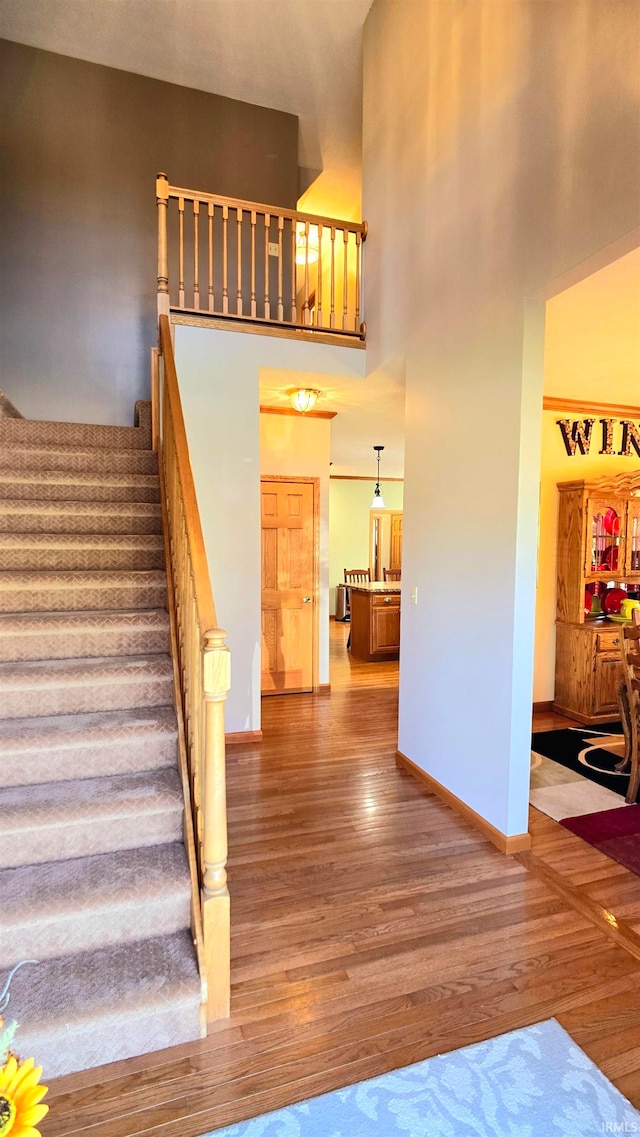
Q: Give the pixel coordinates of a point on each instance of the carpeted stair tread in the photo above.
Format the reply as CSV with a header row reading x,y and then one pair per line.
x,y
31,636
79,517
77,435
59,485
57,747
81,1011
81,551
65,907
42,590
87,460
82,686
63,820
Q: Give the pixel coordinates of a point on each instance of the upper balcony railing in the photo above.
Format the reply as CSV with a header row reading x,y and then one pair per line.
x,y
240,260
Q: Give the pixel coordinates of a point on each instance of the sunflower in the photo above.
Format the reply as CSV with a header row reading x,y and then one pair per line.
x,y
20,1096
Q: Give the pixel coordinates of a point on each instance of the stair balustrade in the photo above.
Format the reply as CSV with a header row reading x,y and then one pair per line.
x,y
246,261
203,678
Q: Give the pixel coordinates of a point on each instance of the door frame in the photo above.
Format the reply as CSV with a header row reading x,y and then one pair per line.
x,y
315,648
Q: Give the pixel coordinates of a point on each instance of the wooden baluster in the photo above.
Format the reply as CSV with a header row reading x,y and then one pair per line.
x,y
267,290
253,263
162,201
305,306
215,894
280,302
225,260
345,280
196,254
155,398
210,214
332,315
319,284
356,322
239,289
181,252
293,272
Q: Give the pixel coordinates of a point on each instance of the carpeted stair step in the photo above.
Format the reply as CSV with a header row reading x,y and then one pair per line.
x,y
65,907
81,1011
84,686
58,485
81,551
61,821
81,461
79,517
78,635
75,435
62,747
50,591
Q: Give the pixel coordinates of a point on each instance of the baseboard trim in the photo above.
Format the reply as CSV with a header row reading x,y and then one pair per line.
x,y
542,708
242,736
519,843
324,689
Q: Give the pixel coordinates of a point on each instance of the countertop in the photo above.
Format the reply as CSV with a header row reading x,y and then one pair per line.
x,y
392,586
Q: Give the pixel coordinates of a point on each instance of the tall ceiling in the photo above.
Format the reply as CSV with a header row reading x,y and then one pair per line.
x,y
299,56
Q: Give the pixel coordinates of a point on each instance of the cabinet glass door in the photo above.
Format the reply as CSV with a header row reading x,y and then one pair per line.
x,y
633,536
605,527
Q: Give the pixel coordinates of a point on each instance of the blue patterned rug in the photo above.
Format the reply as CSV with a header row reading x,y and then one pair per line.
x,y
533,1082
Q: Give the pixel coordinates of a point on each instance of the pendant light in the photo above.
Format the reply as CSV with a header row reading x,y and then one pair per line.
x,y
378,500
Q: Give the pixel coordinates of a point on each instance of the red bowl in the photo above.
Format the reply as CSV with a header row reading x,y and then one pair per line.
x,y
609,521
588,601
611,601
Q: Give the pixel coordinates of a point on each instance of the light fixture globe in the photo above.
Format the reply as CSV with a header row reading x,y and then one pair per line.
x,y
378,500
304,399
307,247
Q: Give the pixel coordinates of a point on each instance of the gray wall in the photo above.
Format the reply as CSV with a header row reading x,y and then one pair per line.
x,y
80,146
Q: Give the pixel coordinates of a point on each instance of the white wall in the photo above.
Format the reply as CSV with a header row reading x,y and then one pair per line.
x,y
293,446
219,374
350,508
501,149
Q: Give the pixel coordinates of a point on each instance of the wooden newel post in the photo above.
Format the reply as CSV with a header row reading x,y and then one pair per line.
x,y
162,199
215,895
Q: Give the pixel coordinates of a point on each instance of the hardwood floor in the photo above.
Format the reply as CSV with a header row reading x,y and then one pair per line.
x,y
372,927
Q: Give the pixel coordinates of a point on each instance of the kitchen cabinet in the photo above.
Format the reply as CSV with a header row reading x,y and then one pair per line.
x,y
375,621
598,547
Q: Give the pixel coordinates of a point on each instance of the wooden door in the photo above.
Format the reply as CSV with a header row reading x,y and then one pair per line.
x,y
288,586
395,553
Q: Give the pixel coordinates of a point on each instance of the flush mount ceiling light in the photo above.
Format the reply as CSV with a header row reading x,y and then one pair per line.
x,y
303,240
304,398
378,500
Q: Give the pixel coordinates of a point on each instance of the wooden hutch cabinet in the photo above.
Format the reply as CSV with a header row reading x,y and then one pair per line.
x,y
598,545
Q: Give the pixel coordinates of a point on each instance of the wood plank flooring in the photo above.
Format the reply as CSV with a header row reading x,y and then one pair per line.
x,y
372,927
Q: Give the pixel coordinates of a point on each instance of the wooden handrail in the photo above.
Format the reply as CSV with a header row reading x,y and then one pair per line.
x,y
206,607
202,676
273,210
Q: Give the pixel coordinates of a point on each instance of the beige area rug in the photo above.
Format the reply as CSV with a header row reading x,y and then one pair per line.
x,y
561,793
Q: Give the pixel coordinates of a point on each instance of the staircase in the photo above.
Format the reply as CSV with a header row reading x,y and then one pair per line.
x,y
94,878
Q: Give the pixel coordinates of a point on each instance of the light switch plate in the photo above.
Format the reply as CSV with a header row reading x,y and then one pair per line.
x,y
273,249
414,595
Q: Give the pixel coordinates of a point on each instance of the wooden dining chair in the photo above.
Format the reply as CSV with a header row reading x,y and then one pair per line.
x,y
391,574
357,576
629,703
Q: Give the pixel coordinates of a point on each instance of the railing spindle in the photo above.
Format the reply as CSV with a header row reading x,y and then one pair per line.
x,y
267,299
225,260
280,250
305,308
356,322
162,202
239,278
293,272
210,215
181,251
319,284
345,280
253,263
332,314
196,254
